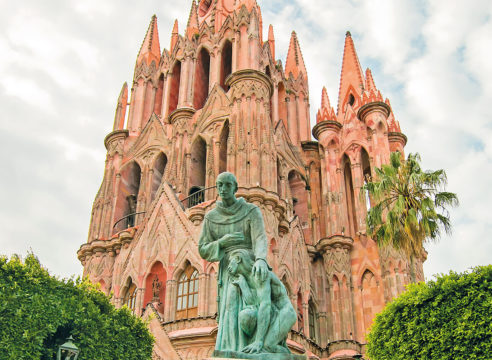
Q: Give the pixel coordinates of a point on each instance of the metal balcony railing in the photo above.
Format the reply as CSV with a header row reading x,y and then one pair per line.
x,y
130,220
195,198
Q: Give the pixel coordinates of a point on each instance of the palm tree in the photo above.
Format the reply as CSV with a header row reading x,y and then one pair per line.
x,y
410,208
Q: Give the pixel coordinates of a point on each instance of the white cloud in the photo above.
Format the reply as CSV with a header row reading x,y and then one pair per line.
x,y
62,65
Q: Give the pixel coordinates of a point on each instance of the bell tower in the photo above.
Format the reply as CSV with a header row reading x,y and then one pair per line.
x,y
219,100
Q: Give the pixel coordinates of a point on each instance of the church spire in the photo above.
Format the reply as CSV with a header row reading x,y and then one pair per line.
x,y
174,35
193,26
150,49
294,63
326,112
271,41
370,85
352,78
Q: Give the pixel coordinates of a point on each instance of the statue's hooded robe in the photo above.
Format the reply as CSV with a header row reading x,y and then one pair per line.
x,y
241,217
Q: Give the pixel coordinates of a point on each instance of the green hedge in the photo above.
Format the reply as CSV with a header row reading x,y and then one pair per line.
x,y
38,312
449,318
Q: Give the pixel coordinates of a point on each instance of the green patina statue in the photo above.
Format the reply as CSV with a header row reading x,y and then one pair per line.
x,y
254,312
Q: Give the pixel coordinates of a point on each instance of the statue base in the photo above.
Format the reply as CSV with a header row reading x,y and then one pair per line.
x,y
222,355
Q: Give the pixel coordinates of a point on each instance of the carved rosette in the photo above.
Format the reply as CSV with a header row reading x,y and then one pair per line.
x,y
336,254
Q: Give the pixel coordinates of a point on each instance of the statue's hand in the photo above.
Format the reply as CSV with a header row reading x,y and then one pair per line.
x,y
235,238
237,280
254,348
260,270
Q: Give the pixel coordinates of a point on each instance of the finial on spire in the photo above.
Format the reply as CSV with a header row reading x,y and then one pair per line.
x,y
348,33
326,112
175,35
295,62
193,26
150,49
370,85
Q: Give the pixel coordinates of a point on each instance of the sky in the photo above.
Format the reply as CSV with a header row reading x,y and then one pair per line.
x,y
63,62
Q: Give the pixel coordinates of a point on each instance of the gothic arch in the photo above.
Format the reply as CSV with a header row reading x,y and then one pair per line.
x,y
225,63
159,95
127,196
198,168
202,77
346,100
159,166
186,260
349,195
175,84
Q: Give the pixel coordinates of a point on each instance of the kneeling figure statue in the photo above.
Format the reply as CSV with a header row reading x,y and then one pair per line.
x,y
254,311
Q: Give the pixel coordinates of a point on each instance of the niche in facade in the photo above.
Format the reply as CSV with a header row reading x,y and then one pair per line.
x,y
126,202
226,64
158,172
155,286
202,77
299,196
174,90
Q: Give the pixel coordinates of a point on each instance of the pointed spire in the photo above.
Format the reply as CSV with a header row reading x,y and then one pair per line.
x,y
352,78
174,36
326,112
271,41
325,101
294,63
370,85
150,49
119,117
193,26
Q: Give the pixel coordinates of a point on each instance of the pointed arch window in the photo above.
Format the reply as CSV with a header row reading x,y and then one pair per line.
x,y
366,174
187,304
202,77
175,84
225,64
131,296
312,321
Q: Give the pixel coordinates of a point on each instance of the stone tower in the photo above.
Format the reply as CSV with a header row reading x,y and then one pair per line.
x,y
218,100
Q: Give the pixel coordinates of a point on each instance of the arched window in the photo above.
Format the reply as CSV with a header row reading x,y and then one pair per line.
x,y
300,313
312,321
366,173
158,171
130,296
223,148
175,83
299,196
351,100
198,165
202,77
349,196
158,96
187,305
126,203
226,64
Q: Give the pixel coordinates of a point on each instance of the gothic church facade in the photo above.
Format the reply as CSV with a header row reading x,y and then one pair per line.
x,y
218,100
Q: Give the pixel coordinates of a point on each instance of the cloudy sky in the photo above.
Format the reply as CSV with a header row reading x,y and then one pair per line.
x,y
63,62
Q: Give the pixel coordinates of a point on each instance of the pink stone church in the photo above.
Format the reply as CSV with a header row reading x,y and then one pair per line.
x,y
219,100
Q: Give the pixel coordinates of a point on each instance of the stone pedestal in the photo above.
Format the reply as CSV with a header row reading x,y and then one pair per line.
x,y
229,355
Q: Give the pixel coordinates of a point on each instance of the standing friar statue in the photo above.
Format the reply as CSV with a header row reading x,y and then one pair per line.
x,y
254,311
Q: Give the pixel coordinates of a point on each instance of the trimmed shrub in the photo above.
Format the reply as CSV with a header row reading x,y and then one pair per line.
x,y
448,318
38,312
